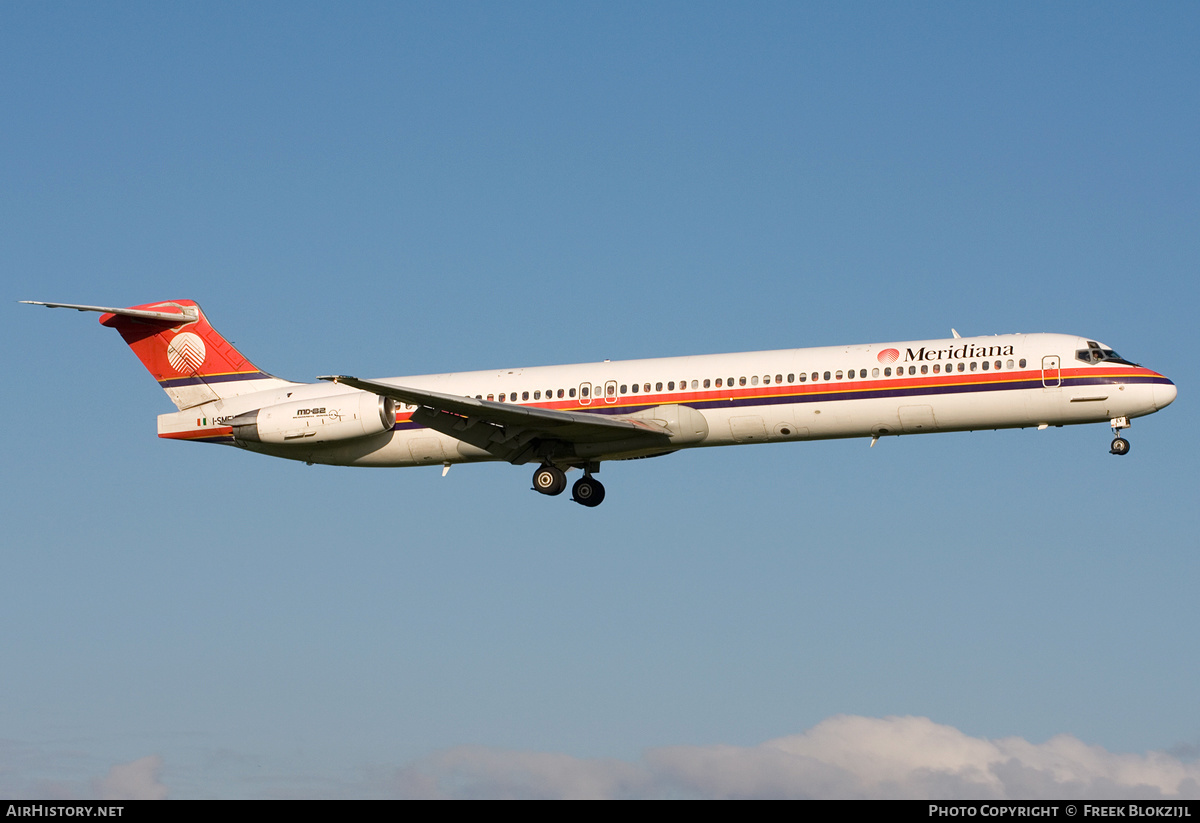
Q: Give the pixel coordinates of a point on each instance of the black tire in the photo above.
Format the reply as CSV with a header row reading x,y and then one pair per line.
x,y
588,491
549,480
1119,446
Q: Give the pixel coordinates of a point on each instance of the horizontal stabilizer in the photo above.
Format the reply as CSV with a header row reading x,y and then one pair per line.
x,y
175,317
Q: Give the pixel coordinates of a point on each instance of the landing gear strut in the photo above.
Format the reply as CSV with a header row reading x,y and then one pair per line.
x,y
1119,445
549,480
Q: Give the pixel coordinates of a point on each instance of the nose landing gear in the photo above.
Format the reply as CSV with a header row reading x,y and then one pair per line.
x,y
1119,445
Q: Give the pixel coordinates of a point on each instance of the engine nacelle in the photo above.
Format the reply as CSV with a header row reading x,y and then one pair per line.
x,y
320,420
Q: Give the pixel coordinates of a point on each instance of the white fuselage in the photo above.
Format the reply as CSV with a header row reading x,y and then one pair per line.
x,y
874,390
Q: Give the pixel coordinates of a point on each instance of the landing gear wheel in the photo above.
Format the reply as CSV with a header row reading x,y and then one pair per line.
x,y
588,491
549,480
1119,446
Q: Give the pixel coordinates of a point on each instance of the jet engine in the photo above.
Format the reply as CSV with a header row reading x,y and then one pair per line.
x,y
318,420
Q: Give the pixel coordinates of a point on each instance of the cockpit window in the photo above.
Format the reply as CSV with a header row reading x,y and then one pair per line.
x,y
1096,354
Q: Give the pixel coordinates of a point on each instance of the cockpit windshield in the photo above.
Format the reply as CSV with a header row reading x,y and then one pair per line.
x,y
1095,353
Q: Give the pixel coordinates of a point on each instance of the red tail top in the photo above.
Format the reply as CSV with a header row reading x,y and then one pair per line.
x,y
189,358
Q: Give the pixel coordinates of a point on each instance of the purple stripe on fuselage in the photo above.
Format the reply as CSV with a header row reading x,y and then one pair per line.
x,y
212,378
849,394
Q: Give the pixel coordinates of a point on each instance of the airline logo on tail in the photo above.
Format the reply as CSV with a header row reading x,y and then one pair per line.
x,y
186,353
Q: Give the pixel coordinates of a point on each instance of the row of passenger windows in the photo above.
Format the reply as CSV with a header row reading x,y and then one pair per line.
x,y
766,380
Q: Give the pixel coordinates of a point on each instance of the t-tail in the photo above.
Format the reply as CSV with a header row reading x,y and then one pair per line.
x,y
192,362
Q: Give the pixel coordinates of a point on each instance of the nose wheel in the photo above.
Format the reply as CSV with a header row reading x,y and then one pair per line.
x,y
1119,445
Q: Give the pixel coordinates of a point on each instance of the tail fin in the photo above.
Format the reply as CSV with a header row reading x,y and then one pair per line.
x,y
192,362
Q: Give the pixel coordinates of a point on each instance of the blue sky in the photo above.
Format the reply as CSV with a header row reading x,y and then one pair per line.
x,y
392,189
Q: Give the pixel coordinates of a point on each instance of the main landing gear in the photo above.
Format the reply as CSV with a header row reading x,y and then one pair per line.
x,y
1119,445
588,491
551,480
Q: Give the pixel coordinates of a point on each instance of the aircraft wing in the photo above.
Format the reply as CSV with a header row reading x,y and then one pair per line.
x,y
518,434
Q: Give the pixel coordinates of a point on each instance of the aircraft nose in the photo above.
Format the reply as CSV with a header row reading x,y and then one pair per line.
x,y
1164,394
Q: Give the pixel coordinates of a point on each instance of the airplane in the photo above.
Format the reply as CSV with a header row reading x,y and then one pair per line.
x,y
578,416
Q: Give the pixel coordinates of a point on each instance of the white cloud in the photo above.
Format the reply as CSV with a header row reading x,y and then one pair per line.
x,y
132,781
842,757
479,772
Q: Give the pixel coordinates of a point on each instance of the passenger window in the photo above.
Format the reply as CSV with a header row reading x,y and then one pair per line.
x,y
524,395
658,386
887,372
741,381
491,397
537,395
635,388
1022,363
974,365
671,386
718,382
803,377
647,387
754,380
986,365
729,382
924,369
695,384
962,366
570,392
838,374
766,379
937,368
874,372
1010,364
792,377
779,378
707,382
624,388
584,391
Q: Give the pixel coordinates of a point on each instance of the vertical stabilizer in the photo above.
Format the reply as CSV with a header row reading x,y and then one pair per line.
x,y
192,362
